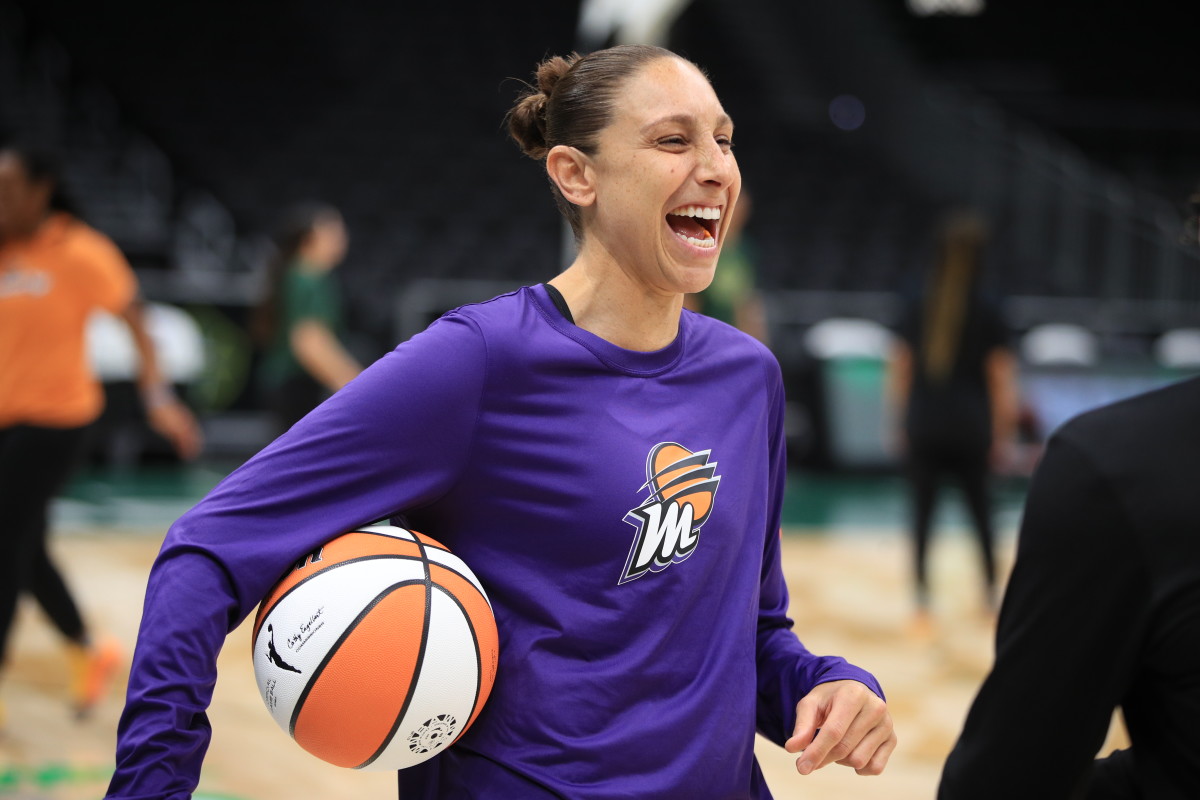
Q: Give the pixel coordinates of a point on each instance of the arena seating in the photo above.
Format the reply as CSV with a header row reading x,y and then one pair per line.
x,y
187,167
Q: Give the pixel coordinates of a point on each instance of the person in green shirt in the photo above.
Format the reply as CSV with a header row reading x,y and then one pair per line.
x,y
299,320
733,296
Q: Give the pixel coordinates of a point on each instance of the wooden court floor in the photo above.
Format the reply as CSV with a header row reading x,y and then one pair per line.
x,y
849,597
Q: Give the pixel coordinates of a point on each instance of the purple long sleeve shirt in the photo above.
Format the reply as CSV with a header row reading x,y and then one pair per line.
x,y
621,508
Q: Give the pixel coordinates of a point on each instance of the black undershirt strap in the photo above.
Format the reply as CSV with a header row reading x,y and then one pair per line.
x,y
559,302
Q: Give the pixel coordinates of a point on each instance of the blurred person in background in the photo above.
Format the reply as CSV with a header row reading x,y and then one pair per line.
x,y
952,397
734,297
55,270
299,320
1102,611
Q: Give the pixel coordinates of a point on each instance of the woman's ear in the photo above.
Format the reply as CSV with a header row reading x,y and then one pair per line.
x,y
572,172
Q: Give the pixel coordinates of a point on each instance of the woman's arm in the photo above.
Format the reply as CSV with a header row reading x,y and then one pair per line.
x,y
1000,369
322,355
897,383
165,412
374,449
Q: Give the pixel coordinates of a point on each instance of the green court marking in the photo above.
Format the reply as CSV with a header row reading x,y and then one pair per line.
x,y
822,502
50,775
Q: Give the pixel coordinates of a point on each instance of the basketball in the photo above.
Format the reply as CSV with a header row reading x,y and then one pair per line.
x,y
377,651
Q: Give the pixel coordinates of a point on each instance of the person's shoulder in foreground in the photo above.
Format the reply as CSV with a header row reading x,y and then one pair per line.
x,y
1102,611
1145,408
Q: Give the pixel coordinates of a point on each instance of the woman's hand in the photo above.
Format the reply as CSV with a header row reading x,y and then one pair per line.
x,y
842,722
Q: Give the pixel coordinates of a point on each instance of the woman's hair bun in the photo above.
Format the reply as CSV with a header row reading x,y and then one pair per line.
x,y
550,71
527,119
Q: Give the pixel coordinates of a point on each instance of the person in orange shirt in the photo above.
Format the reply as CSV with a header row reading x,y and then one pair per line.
x,y
55,270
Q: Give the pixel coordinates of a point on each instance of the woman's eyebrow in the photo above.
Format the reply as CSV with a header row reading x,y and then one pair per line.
x,y
685,119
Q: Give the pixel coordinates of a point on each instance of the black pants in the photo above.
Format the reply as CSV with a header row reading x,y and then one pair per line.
x,y
35,463
930,466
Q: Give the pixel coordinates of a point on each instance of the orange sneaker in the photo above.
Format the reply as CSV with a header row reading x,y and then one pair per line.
x,y
921,627
92,673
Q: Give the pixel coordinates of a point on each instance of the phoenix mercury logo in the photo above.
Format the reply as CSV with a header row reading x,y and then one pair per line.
x,y
682,486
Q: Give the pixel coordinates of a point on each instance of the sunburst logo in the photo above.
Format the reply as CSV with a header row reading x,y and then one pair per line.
x,y
682,486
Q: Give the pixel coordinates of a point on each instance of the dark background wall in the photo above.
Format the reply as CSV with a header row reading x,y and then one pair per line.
x,y
395,113
189,125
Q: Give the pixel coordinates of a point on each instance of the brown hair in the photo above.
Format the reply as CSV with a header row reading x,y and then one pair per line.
x,y
43,164
571,101
962,236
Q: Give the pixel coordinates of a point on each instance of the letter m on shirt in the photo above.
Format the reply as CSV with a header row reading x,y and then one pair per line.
x,y
666,534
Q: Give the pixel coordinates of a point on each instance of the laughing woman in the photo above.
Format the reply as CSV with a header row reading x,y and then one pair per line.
x,y
611,467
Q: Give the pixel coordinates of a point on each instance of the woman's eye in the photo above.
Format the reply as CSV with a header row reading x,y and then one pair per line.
x,y
673,140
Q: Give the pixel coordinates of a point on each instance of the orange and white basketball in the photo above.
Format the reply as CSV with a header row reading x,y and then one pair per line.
x,y
377,651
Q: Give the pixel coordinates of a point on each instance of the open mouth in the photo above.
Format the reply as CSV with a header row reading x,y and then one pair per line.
x,y
696,225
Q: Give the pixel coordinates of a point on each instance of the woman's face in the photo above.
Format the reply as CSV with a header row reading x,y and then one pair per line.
x,y
666,179
326,244
23,201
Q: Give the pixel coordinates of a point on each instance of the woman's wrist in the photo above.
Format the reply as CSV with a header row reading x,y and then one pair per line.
x,y
157,396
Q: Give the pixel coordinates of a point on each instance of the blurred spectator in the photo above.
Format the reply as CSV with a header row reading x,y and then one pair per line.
x,y
951,396
299,320
55,270
733,296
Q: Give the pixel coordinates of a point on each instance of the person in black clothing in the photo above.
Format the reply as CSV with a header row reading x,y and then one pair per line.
x,y
952,395
1102,610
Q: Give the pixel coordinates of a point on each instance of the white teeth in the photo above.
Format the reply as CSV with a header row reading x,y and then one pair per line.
x,y
703,212
698,242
